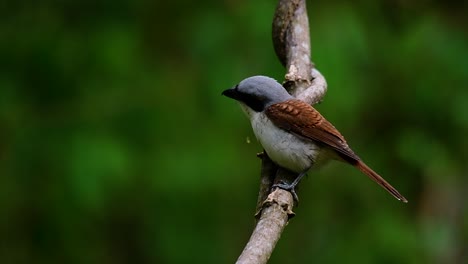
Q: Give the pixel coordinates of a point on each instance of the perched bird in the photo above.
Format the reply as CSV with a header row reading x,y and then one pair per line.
x,y
295,135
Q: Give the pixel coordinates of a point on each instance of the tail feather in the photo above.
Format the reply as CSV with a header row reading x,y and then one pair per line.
x,y
378,179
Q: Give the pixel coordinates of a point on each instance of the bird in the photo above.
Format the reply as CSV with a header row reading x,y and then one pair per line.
x,y
293,133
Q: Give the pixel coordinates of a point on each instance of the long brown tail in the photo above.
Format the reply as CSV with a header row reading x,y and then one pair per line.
x,y
378,179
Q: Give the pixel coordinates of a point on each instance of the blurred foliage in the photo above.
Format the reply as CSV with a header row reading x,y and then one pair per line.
x,y
116,146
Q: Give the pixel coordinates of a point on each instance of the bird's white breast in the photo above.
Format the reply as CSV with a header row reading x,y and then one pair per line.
x,y
285,149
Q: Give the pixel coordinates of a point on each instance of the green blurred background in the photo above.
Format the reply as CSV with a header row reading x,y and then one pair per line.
x,y
116,146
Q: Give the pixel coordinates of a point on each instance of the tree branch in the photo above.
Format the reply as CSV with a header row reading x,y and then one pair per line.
x,y
277,209
292,46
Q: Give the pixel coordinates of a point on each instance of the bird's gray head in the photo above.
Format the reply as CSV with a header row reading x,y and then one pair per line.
x,y
258,92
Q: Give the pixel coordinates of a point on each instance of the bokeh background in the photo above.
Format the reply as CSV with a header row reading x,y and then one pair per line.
x,y
117,147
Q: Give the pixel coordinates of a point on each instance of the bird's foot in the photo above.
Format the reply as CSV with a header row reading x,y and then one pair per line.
x,y
290,187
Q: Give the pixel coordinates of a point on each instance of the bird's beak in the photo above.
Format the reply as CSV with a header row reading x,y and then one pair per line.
x,y
232,93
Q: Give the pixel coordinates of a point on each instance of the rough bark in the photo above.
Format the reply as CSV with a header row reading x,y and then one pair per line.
x,y
277,209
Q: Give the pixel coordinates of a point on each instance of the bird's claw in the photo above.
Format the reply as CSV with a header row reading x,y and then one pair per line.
x,y
287,187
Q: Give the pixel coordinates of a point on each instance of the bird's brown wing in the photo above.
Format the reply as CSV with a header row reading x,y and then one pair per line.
x,y
303,120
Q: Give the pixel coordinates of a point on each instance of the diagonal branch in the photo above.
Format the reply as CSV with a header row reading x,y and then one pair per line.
x,y
292,46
